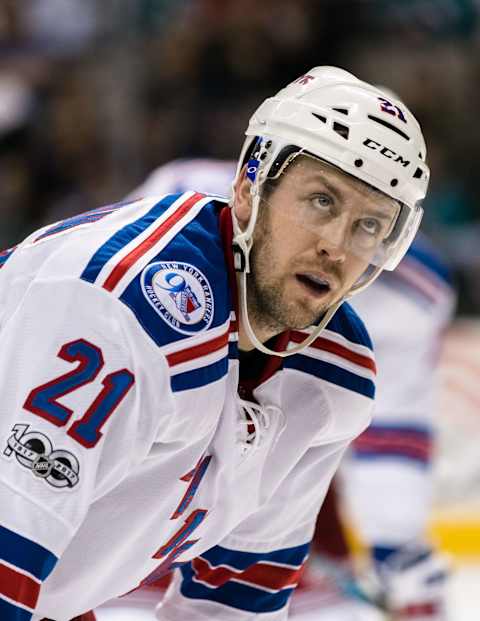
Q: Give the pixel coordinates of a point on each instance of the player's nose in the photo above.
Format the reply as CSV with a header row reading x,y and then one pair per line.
x,y
333,240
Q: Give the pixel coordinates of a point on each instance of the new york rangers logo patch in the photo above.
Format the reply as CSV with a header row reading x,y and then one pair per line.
x,y
181,295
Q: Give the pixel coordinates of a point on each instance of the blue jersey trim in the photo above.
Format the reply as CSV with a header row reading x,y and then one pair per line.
x,y
242,560
10,612
331,373
200,377
26,554
348,324
234,594
122,237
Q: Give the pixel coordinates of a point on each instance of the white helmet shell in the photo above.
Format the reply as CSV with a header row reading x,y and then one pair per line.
x,y
339,118
359,128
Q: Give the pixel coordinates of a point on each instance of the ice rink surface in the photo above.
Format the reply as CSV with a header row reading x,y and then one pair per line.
x,y
464,604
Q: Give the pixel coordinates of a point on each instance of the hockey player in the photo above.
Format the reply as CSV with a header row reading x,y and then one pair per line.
x,y
152,417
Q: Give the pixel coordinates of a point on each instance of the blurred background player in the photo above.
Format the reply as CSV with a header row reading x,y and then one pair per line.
x,y
386,483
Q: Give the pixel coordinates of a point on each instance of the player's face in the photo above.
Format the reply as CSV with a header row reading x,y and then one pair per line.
x,y
317,231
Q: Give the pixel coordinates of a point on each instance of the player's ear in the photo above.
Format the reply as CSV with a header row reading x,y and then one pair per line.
x,y
242,199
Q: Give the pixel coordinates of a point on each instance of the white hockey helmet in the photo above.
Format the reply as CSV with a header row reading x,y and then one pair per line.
x,y
331,115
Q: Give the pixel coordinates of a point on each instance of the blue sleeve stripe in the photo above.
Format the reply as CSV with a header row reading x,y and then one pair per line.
x,y
123,237
25,554
242,560
199,377
234,594
331,373
10,612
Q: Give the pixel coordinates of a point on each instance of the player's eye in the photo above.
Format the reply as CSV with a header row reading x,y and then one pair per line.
x,y
322,202
370,226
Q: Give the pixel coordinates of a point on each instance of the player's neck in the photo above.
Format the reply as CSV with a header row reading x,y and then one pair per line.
x,y
263,332
263,327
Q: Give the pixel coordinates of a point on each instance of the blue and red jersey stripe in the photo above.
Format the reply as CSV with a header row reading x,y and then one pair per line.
x,y
24,564
255,582
361,382
136,253
124,236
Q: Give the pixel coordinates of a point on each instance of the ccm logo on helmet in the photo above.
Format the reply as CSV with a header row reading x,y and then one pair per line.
x,y
385,151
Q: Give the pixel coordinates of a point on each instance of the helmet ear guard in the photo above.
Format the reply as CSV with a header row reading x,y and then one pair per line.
x,y
367,133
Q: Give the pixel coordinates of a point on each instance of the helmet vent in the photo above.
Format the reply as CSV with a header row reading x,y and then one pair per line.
x,y
418,173
320,117
342,130
341,110
390,126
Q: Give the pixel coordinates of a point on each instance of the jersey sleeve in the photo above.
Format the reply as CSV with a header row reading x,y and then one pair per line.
x,y
69,428
253,572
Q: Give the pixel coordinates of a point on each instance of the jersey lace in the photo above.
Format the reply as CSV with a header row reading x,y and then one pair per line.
x,y
254,424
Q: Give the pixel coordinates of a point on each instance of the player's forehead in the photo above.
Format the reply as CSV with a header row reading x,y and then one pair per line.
x,y
306,173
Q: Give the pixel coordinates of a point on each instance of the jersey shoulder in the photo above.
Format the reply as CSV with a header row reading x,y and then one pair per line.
x,y
168,267
341,355
161,257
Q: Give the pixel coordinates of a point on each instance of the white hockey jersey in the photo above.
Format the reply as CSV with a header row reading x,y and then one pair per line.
x,y
125,449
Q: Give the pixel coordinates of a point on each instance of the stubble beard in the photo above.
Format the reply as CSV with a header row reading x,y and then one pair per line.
x,y
268,305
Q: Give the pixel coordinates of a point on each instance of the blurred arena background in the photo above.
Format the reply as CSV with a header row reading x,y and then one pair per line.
x,y
94,94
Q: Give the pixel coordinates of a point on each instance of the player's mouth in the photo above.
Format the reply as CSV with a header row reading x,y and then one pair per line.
x,y
316,285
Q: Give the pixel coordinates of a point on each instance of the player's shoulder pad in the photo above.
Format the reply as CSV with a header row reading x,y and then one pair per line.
x,y
341,355
167,265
